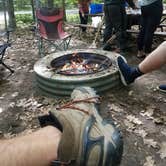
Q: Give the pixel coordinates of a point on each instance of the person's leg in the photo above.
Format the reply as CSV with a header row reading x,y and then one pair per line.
x,y
155,60
82,21
117,17
85,21
152,62
123,34
37,149
153,20
142,34
108,23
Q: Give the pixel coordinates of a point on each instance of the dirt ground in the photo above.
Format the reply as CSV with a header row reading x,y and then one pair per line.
x,y
138,110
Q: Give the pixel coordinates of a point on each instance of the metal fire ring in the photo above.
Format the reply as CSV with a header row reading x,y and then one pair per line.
x,y
53,85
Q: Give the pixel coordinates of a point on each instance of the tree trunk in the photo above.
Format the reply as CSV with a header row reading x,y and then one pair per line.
x,y
5,14
64,9
10,9
33,9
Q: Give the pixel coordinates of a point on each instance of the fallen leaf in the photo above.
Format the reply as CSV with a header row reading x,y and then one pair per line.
x,y
1,110
163,132
130,93
150,143
149,112
149,161
141,132
15,94
113,107
12,104
129,124
133,119
162,151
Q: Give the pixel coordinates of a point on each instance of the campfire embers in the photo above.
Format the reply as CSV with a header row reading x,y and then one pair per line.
x,y
80,64
59,73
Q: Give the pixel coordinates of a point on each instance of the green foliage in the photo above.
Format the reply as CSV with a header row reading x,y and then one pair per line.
x,y
24,19
22,5
73,18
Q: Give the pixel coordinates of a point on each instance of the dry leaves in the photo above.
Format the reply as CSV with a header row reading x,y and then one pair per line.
x,y
149,112
15,94
1,110
115,108
30,103
134,120
162,151
150,143
149,161
130,126
141,132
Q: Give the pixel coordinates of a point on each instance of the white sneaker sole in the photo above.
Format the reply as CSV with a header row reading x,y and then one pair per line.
x,y
121,75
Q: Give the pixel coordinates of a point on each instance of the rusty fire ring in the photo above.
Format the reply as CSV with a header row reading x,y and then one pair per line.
x,y
53,85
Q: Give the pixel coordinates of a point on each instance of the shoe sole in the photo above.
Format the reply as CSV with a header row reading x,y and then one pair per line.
x,y
114,141
163,91
121,75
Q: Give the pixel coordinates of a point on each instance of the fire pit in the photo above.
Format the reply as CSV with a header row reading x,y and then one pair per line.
x,y
80,64
59,73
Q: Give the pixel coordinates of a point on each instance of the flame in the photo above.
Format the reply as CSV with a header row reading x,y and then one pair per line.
x,y
78,65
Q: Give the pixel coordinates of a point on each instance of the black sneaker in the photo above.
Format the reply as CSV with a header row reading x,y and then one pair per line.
x,y
162,88
125,71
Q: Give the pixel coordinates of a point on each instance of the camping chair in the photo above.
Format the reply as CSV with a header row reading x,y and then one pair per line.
x,y
50,30
3,48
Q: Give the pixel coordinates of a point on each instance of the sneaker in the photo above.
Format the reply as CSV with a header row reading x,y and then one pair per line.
x,y
87,139
162,88
125,71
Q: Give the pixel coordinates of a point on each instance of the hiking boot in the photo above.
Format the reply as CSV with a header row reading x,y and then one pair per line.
x,y
125,71
87,139
162,88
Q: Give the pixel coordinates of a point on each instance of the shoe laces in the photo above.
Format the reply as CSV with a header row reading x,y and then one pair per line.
x,y
95,99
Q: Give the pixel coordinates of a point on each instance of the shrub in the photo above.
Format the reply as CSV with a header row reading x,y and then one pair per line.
x,y
74,18
24,19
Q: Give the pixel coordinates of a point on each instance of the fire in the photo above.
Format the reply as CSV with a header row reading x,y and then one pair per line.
x,y
78,65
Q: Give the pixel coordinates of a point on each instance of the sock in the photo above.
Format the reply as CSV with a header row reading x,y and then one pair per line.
x,y
135,73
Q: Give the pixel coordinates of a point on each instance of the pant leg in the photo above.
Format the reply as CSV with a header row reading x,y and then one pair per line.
x,y
141,35
118,20
83,20
108,24
152,23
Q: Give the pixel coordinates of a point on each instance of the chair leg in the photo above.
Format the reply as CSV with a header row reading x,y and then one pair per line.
x,y
68,42
12,71
40,47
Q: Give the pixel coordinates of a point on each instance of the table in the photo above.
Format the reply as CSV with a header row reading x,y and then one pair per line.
x,y
133,16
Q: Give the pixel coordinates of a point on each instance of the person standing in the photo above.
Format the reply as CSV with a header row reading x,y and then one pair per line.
x,y
151,13
115,19
83,6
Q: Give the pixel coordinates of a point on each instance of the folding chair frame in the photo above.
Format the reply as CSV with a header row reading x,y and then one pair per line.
x,y
45,43
2,53
61,45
